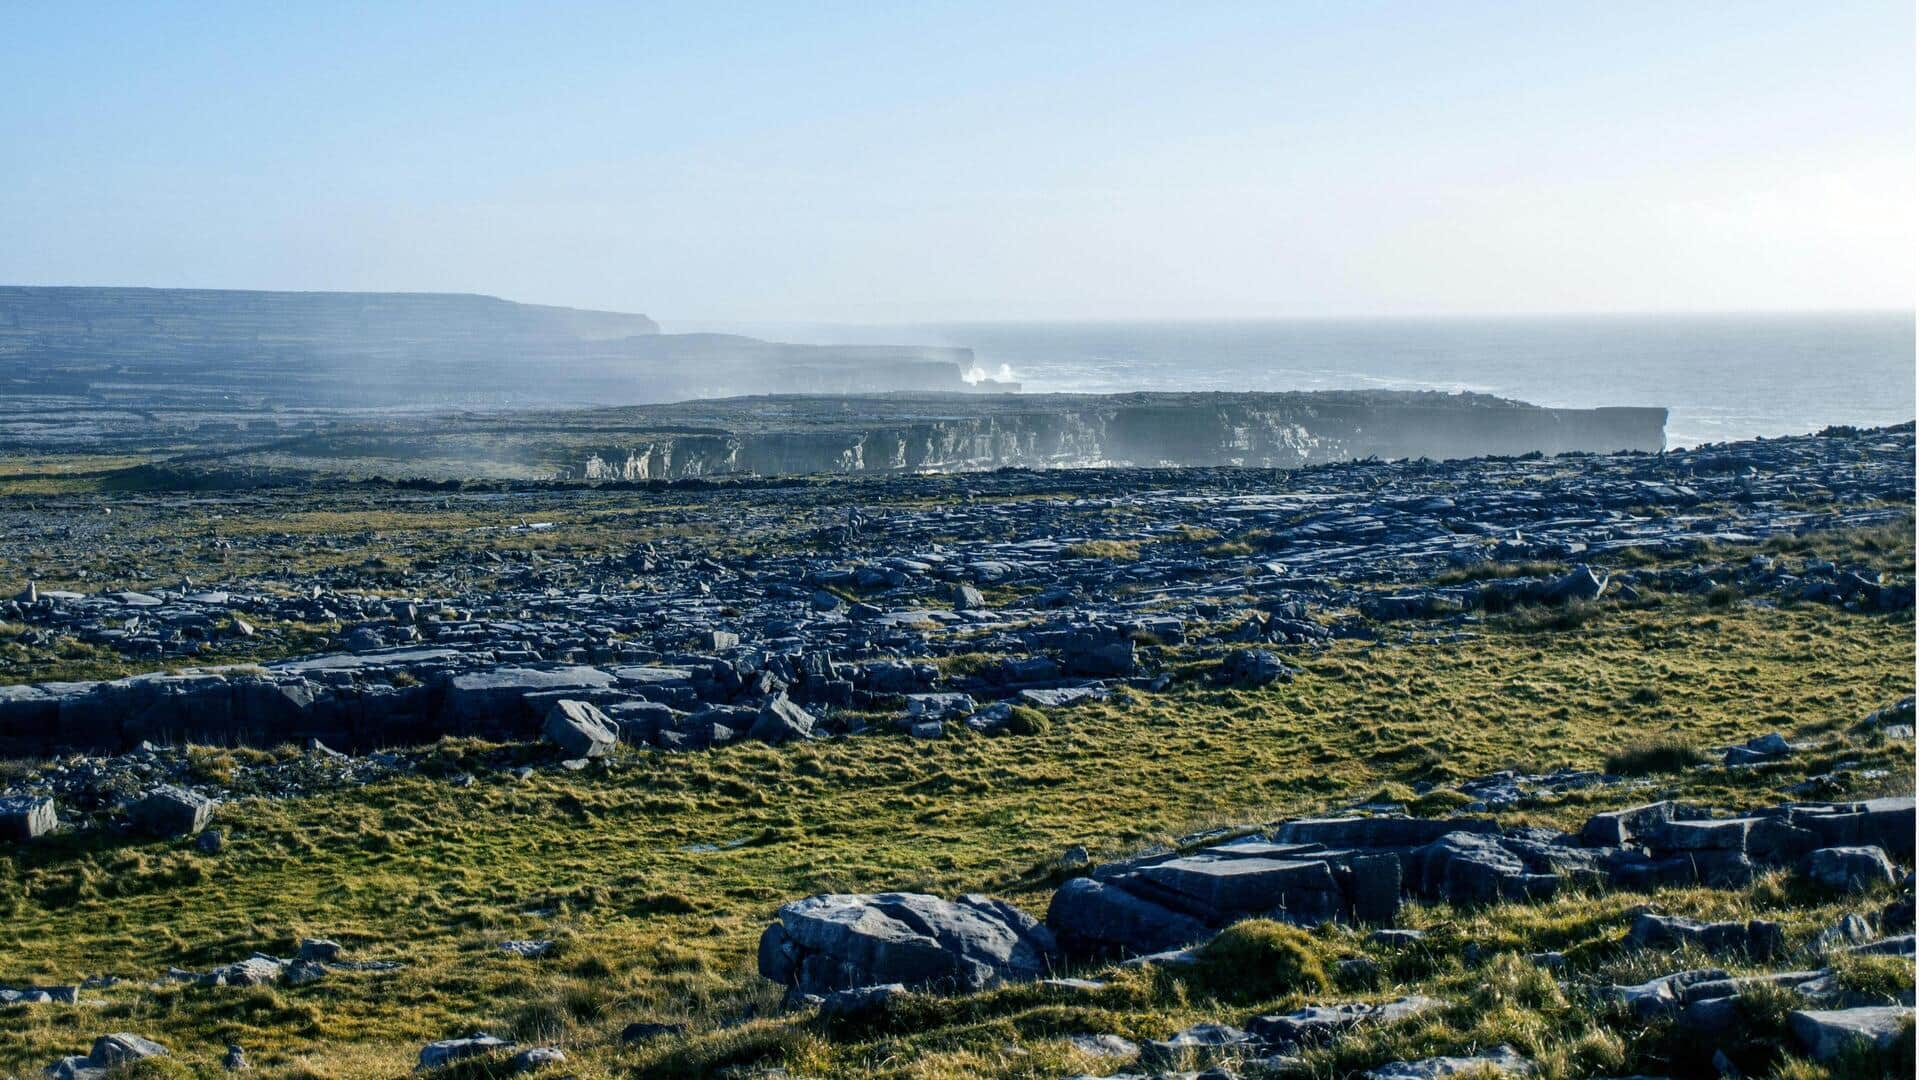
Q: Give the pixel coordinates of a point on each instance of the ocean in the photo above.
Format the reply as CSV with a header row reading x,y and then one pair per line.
x,y
1723,377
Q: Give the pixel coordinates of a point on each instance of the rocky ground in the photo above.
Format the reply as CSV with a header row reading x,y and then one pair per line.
x,y
1581,765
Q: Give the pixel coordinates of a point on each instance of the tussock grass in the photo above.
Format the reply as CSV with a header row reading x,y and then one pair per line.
x,y
1490,571
1657,755
1115,550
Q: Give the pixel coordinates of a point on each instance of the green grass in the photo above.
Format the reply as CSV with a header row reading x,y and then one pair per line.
x,y
433,875
1491,571
1644,757
1116,550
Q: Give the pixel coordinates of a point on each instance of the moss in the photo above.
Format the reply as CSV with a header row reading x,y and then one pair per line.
x,y
1027,720
1259,959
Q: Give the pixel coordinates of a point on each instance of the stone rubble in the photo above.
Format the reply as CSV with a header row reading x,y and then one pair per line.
x,y
675,649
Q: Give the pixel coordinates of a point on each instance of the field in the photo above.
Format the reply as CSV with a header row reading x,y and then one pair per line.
x,y
656,872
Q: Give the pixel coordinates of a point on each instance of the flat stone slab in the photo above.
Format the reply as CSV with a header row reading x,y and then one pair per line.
x,y
1241,886
1827,1034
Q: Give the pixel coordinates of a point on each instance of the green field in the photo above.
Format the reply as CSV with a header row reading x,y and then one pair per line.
x,y
651,927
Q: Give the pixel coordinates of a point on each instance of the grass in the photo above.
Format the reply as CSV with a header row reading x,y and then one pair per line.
x,y
1116,550
613,864
1645,757
1490,571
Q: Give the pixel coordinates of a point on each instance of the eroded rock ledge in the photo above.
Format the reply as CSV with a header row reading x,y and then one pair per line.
x,y
949,433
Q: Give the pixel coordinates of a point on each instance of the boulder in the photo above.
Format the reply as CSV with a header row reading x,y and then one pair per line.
x,y
1375,886
1756,937
1829,1034
1718,834
26,817
1580,583
860,1002
580,730
494,703
172,811
780,720
1254,667
1097,651
1105,1046
320,950
1849,869
123,1048
436,1055
253,971
1092,917
536,1057
1464,867
1759,749
302,972
968,598
1219,890
1619,828
840,941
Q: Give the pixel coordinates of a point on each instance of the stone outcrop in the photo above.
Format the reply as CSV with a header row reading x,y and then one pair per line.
x,y
838,942
1359,868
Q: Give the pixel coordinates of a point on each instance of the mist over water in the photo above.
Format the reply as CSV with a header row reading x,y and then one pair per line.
x,y
1723,376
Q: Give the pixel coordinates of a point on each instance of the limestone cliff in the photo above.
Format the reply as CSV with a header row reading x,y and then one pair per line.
x,y
893,434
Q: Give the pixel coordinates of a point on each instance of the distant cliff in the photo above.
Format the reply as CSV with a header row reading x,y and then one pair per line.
x,y
777,436
223,350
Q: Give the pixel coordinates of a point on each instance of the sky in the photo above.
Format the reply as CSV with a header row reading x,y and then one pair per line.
x,y
926,162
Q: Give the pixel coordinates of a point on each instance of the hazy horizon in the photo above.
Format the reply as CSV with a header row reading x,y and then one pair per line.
x,y
978,163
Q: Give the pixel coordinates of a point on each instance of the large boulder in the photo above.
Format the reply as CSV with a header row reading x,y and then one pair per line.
x,y
1580,583
580,730
1253,667
172,811
1463,867
780,721
445,1052
1097,651
839,941
1829,1034
110,1053
1849,869
1092,917
1218,889
26,817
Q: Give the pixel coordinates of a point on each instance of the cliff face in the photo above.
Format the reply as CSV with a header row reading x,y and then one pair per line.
x,y
1258,430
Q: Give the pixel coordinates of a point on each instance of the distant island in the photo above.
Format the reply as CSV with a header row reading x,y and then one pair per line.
x,y
230,350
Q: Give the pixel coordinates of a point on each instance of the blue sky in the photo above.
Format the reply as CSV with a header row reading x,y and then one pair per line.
x,y
868,162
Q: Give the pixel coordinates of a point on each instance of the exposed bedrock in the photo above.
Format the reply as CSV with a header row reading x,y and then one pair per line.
x,y
1259,430
1354,869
